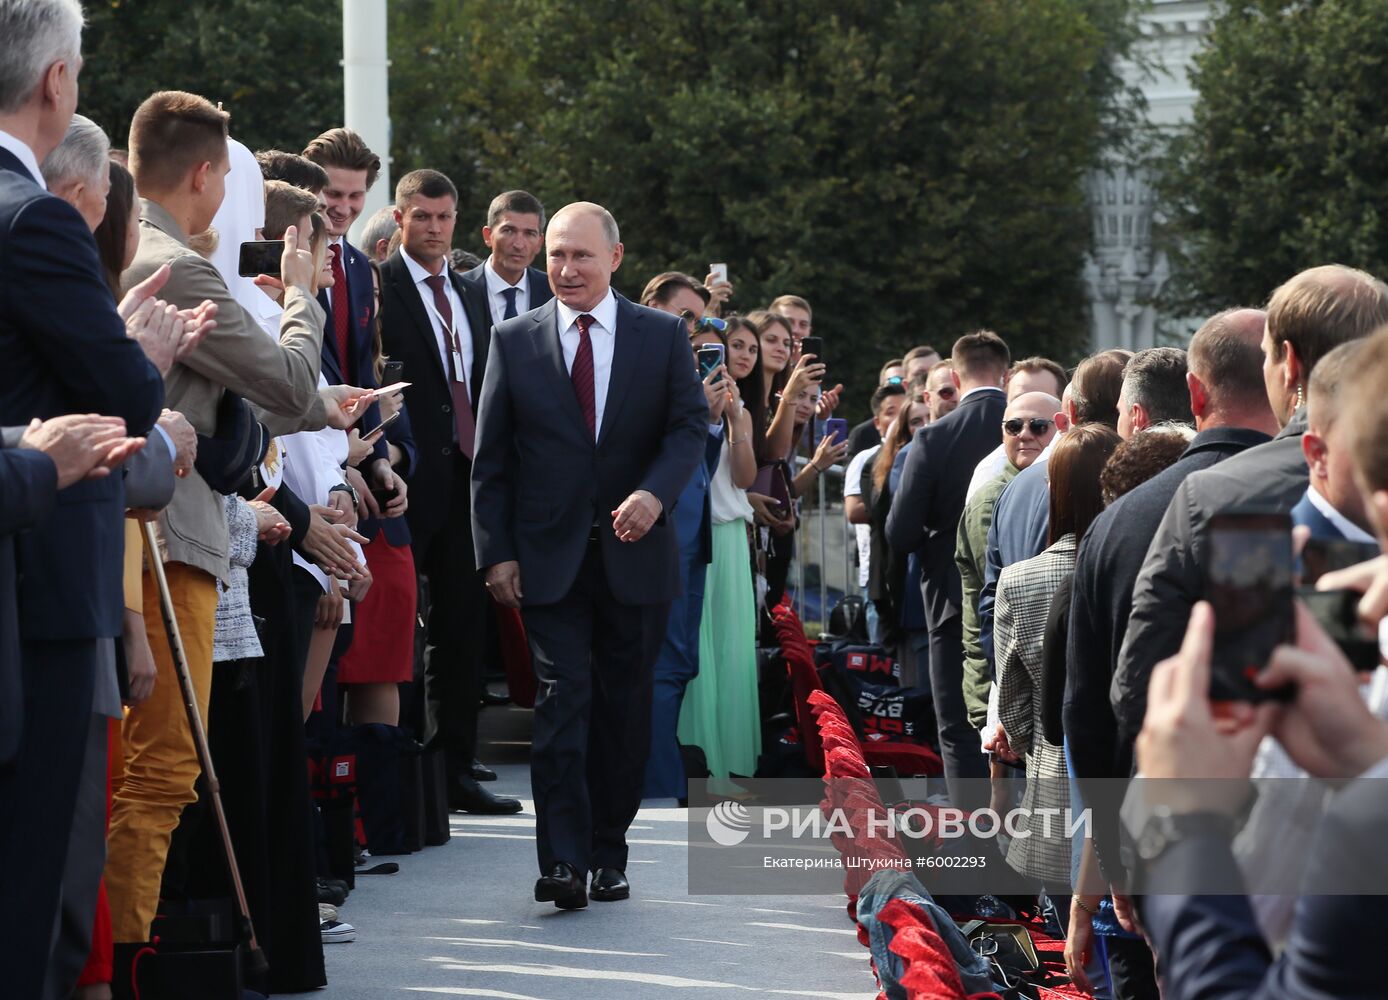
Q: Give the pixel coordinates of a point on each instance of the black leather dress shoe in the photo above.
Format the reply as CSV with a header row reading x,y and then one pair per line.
x,y
563,887
609,884
466,795
490,699
481,771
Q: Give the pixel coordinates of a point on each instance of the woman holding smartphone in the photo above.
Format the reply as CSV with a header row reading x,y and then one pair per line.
x,y
720,711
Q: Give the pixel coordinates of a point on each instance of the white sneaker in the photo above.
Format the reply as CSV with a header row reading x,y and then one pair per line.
x,y
336,932
326,911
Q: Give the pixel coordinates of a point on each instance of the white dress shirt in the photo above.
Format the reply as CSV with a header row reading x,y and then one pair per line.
x,y
25,154
603,334
496,285
460,325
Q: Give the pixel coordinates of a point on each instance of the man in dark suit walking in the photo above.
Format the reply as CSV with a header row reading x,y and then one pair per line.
x,y
426,327
925,516
505,285
592,422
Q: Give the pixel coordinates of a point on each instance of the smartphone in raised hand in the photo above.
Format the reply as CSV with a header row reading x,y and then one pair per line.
x,y
709,356
1249,581
260,257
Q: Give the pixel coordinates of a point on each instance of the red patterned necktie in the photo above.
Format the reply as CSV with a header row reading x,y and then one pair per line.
x,y
463,424
341,311
582,375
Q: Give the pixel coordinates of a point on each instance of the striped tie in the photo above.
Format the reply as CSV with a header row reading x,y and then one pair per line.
x,y
582,375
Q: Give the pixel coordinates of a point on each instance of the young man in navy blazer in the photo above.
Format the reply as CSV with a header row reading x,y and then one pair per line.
x,y
591,422
505,285
350,304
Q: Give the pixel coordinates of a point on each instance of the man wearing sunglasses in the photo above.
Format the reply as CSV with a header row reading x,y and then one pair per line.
x,y
941,390
1028,425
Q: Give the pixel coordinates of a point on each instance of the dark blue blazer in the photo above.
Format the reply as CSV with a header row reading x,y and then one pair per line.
x,y
926,508
477,304
66,351
358,370
540,482
28,485
1210,946
1305,513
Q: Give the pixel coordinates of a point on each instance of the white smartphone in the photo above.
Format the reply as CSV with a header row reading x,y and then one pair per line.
x,y
719,272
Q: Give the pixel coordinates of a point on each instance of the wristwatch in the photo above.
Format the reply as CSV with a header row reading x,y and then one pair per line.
x,y
347,488
1165,828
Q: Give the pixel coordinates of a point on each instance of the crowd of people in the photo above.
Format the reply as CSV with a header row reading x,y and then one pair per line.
x,y
621,482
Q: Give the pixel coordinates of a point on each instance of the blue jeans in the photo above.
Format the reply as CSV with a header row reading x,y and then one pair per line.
x,y
874,622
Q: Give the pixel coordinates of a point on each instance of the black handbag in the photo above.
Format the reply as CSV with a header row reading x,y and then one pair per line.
x,y
226,458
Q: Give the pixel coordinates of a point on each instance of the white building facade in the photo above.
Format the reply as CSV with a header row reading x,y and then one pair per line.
x,y
1124,271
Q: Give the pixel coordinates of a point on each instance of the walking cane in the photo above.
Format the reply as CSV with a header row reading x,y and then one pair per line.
x,y
255,958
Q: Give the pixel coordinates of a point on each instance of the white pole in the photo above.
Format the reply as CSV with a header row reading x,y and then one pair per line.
x,y
365,93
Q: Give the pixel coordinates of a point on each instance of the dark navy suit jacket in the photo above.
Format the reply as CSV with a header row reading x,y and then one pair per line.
x,y
1306,514
926,509
1210,946
28,485
540,482
357,370
477,303
66,351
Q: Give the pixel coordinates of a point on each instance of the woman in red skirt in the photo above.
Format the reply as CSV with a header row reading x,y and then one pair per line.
x,y
381,656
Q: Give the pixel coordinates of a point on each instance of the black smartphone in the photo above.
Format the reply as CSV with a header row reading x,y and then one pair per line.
x,y
261,257
1326,555
815,346
1337,611
1249,583
710,356
383,496
394,372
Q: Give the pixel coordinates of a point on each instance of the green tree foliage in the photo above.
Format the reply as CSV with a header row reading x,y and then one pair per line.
x,y
914,169
274,64
1283,166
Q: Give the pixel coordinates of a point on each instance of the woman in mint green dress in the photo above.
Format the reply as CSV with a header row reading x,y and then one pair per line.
x,y
720,712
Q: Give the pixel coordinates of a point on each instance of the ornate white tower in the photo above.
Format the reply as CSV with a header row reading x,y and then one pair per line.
x,y
1125,272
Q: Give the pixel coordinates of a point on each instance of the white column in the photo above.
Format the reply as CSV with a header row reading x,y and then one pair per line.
x,y
365,93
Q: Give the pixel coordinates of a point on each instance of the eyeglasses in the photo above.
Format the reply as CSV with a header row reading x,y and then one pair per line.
x,y
945,392
697,325
894,380
1037,425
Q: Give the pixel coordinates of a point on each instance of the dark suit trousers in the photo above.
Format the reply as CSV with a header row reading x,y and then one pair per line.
x,y
38,800
456,625
594,663
959,743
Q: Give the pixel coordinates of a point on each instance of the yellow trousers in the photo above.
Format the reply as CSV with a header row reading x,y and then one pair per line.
x,y
161,764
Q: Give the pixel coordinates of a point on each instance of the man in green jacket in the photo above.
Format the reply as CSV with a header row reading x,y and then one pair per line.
x,y
1028,427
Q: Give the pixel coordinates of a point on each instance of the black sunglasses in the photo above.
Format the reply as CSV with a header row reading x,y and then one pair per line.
x,y
1037,425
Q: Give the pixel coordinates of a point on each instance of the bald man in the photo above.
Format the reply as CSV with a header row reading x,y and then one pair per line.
x,y
591,422
1230,404
1028,426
